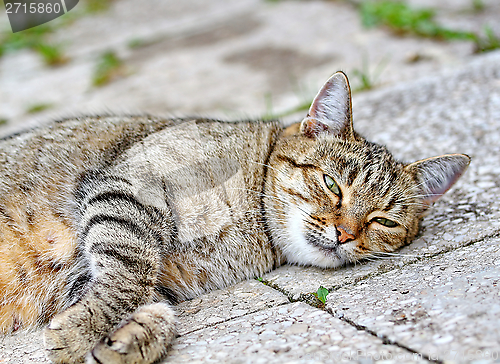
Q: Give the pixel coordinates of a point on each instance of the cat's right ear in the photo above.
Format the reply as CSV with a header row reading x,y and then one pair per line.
x,y
331,110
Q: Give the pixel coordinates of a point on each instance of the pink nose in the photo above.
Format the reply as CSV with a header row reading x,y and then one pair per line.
x,y
344,236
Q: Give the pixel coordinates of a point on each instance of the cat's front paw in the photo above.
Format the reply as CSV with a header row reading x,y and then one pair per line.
x,y
143,338
68,337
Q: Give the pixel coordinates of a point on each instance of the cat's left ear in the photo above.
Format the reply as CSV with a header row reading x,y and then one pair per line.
x,y
437,175
331,110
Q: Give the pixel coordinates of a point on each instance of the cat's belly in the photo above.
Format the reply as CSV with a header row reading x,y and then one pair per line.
x,y
216,264
35,260
183,279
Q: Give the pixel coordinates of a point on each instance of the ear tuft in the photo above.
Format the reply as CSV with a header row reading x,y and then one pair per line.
x,y
331,110
437,175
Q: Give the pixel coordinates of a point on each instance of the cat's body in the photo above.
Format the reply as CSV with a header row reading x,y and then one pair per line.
x,y
108,220
41,221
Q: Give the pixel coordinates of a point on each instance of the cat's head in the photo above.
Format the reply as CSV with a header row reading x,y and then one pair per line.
x,y
332,197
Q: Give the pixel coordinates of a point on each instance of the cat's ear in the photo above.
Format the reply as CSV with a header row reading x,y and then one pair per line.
x,y
437,175
331,110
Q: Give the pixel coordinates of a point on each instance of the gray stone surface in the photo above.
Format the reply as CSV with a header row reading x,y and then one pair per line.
x,y
289,333
220,306
26,348
436,299
447,307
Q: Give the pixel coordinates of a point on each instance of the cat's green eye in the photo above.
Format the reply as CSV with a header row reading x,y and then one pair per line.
x,y
385,222
332,185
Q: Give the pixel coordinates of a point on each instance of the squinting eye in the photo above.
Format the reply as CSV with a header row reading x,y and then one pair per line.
x,y
332,185
385,222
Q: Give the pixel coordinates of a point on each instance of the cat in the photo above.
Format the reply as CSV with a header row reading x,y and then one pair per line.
x,y
105,222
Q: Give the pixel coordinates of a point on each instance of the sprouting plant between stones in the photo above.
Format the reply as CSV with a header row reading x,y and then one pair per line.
x,y
321,294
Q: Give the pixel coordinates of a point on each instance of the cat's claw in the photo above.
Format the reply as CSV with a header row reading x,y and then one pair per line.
x,y
64,340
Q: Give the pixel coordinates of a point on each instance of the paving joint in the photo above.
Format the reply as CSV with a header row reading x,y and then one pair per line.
x,y
311,300
384,338
208,325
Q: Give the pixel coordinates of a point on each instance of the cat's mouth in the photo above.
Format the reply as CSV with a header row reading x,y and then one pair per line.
x,y
327,246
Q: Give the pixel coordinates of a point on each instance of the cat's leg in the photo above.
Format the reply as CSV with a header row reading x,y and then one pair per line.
x,y
142,338
122,243
113,296
73,333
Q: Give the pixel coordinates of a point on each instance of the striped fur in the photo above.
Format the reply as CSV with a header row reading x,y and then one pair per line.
x,y
107,221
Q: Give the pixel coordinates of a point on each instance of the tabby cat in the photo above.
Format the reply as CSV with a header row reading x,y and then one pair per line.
x,y
105,222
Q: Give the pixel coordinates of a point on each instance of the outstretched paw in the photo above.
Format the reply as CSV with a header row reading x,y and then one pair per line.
x,y
143,338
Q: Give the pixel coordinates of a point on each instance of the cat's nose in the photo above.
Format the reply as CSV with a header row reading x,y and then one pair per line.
x,y
343,236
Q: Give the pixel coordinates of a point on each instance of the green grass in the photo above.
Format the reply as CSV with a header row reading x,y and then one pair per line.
x,y
489,42
38,107
38,38
52,54
270,114
136,43
96,6
364,78
402,19
405,20
108,68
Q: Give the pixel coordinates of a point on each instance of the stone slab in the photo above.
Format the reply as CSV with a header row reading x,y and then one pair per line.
x,y
235,59
23,348
222,305
291,333
447,307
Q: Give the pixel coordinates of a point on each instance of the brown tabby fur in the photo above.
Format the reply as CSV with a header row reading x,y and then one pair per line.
x,y
105,221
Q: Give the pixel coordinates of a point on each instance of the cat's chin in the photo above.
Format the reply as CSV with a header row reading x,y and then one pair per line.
x,y
312,255
306,250
299,250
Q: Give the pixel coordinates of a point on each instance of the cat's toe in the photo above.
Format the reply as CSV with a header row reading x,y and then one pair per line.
x,y
68,338
59,343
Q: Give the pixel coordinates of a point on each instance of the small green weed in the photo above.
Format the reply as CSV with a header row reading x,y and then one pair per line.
x,y
3,121
489,42
478,6
136,43
367,78
301,106
52,54
108,68
38,107
96,6
304,96
321,294
37,38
